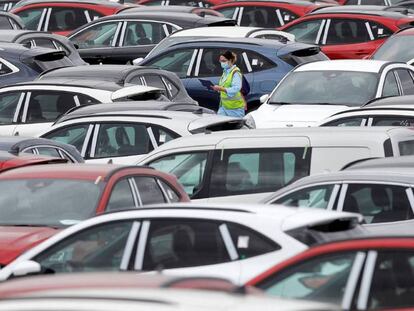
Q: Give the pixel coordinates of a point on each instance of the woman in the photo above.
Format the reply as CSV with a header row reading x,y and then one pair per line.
x,y
232,102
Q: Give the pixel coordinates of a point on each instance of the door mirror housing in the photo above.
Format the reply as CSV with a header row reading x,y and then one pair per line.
x,y
25,268
264,98
136,61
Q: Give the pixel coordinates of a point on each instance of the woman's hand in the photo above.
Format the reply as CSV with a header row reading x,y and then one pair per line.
x,y
218,88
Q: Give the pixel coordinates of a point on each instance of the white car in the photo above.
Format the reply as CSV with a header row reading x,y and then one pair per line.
x,y
244,165
29,108
125,135
231,242
317,90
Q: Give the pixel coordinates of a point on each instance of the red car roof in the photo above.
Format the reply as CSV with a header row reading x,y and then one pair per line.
x,y
9,161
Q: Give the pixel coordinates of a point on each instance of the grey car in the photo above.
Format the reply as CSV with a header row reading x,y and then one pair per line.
x,y
9,20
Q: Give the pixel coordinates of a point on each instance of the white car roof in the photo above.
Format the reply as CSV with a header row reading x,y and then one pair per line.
x,y
364,65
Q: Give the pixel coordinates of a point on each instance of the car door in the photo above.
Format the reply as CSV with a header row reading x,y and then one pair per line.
x,y
41,108
34,18
346,38
96,43
10,110
181,246
377,202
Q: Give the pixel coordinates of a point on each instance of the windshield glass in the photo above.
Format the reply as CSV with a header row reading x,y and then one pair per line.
x,y
398,49
349,88
47,202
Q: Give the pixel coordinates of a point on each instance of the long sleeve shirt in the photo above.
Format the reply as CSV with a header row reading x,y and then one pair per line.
x,y
236,83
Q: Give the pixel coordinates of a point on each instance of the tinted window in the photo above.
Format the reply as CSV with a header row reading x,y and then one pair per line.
x,y
250,243
267,17
175,61
248,171
139,33
162,135
228,12
149,190
406,147
183,243
210,65
307,31
396,48
170,192
155,81
406,80
4,69
49,151
258,62
121,196
116,140
47,106
379,31
393,121
172,88
189,168
346,31
4,23
322,279
85,100
99,35
315,197
390,85
353,121
8,105
98,248
378,203
31,18
72,135
65,18
45,43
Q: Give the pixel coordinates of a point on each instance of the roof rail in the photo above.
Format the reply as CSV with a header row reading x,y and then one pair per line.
x,y
350,164
373,100
50,70
117,114
72,110
202,208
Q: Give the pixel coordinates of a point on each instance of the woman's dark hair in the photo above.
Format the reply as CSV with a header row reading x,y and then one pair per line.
x,y
230,56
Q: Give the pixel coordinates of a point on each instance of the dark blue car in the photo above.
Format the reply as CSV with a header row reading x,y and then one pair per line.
x,y
263,62
21,64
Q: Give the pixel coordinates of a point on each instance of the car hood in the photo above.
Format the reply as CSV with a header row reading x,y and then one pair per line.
x,y
16,240
268,116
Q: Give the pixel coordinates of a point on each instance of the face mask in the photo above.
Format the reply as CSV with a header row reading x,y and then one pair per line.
x,y
224,65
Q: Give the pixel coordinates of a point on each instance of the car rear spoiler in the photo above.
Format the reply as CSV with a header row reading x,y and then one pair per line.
x,y
214,123
226,22
42,54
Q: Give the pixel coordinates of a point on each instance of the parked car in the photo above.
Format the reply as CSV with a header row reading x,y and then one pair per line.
x,y
408,4
125,135
62,16
7,5
201,11
362,274
10,21
29,108
29,216
397,48
243,166
226,32
39,146
20,64
263,63
312,92
30,39
348,31
230,242
371,2
101,42
126,75
10,161
268,14
194,3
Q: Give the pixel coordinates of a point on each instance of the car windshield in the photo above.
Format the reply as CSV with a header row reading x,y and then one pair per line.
x,y
397,49
349,88
47,202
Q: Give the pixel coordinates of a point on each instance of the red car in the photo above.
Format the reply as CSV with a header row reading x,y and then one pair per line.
x,y
37,201
62,16
9,161
267,14
364,274
348,31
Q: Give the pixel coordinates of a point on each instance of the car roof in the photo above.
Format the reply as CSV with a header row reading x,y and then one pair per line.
x,y
377,10
405,31
397,164
84,171
160,8
15,143
295,2
96,2
391,101
8,35
92,84
365,65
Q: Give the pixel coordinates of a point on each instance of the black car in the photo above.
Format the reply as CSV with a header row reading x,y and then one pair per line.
x,y
31,38
42,146
10,21
121,38
126,75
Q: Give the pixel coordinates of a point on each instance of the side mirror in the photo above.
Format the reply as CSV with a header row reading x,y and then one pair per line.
x,y
26,267
264,98
136,61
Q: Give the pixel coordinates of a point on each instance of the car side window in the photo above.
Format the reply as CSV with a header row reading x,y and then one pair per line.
x,y
346,31
45,43
66,18
98,248
85,100
392,121
125,139
250,243
267,17
322,279
5,23
307,31
258,62
183,243
228,12
121,196
406,80
72,135
243,171
155,81
8,106
46,106
392,284
379,31
98,35
189,168
378,203
170,192
390,85
149,190
49,151
352,121
172,88
31,17
210,65
5,70
315,197
143,33
162,135
176,61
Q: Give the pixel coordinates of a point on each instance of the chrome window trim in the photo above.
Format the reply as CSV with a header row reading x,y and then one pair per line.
x,y
164,192
325,34
142,242
86,141
352,282
190,66
134,191
197,68
365,287
26,106
122,35
152,137
228,242
319,34
46,26
129,246
333,197
94,140
19,107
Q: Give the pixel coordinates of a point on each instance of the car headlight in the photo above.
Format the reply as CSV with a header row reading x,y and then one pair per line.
x,y
249,121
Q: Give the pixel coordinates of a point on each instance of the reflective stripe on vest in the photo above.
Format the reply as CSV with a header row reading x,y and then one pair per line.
x,y
235,102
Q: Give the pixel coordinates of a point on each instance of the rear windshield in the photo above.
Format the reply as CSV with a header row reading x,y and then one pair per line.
x,y
304,56
397,49
406,147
